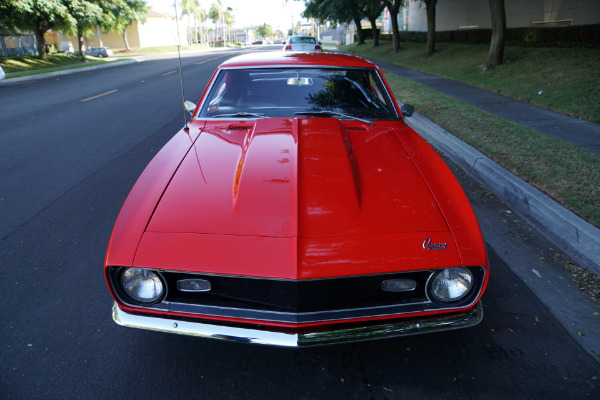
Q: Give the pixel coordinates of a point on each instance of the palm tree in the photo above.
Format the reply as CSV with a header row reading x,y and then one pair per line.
x,y
216,14
200,16
187,8
229,19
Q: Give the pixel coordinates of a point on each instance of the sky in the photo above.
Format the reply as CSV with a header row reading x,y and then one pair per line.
x,y
277,13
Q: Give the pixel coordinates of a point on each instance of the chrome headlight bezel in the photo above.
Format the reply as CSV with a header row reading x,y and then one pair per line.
x,y
451,285
125,280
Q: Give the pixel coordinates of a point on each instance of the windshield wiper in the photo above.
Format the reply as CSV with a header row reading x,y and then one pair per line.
x,y
240,114
325,112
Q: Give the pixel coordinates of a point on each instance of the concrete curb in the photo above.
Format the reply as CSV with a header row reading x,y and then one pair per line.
x,y
576,237
64,72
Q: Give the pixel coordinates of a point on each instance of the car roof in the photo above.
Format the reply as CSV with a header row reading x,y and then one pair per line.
x,y
273,59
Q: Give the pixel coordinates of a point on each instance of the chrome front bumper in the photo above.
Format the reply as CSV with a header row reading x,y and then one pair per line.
x,y
247,335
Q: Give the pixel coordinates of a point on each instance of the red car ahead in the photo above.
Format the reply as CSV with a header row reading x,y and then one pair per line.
x,y
297,209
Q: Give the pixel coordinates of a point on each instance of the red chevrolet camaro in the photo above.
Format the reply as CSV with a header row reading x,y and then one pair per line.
x,y
297,208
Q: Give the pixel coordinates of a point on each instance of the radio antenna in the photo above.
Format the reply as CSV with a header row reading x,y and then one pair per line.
x,y
180,69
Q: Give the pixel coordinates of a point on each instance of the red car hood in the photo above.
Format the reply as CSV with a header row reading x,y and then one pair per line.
x,y
297,198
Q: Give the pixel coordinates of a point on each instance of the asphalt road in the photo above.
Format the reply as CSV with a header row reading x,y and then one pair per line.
x,y
66,166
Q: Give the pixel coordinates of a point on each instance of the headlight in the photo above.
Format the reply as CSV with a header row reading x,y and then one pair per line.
x,y
451,284
142,285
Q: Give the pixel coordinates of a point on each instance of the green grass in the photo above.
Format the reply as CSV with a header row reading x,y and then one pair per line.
x,y
31,65
567,78
566,173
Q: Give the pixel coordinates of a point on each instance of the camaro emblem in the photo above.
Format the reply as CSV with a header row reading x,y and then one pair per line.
x,y
427,245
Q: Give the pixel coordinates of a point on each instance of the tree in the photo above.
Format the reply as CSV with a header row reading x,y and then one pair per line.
x,y
123,13
297,29
86,15
373,9
264,30
228,20
192,8
200,16
394,9
430,6
188,7
216,14
498,16
340,11
38,16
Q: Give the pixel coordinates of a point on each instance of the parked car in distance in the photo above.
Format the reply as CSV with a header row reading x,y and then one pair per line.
x,y
99,52
295,209
2,74
302,43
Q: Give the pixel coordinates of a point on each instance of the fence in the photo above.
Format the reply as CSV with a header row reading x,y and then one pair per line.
x,y
18,45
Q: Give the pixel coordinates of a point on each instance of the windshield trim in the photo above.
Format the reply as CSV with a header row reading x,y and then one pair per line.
x,y
396,116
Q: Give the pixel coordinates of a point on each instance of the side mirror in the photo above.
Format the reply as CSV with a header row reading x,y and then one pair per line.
x,y
189,107
407,110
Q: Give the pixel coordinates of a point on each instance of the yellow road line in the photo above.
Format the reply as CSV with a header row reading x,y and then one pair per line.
x,y
210,59
169,73
100,95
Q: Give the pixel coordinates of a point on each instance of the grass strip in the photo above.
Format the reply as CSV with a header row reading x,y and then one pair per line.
x,y
568,174
15,67
46,70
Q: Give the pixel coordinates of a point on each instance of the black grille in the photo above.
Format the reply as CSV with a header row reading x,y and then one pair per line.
x,y
297,296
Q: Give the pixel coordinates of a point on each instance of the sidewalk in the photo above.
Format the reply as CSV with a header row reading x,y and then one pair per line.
x,y
578,238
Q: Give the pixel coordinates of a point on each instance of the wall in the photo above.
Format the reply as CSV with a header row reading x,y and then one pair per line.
x,y
464,14
158,30
162,31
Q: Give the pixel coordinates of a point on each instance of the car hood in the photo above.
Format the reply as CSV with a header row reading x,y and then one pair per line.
x,y
307,190
290,177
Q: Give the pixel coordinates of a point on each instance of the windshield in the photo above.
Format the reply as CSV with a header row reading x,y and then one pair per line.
x,y
303,39
283,92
